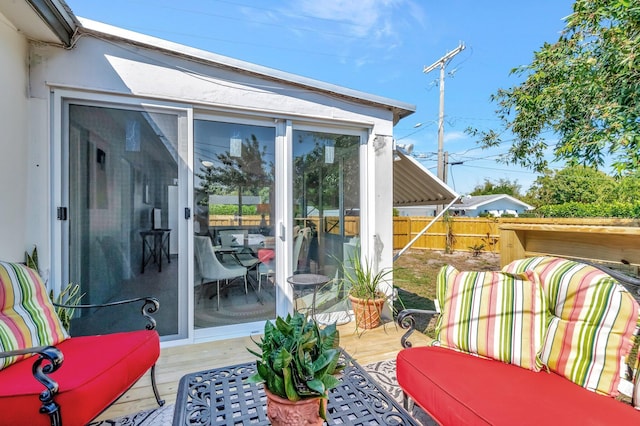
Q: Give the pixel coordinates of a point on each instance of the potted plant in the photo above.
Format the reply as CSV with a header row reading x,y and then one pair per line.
x,y
297,363
366,298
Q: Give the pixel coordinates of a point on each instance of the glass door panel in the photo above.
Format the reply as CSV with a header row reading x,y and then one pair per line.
x,y
123,233
326,197
234,223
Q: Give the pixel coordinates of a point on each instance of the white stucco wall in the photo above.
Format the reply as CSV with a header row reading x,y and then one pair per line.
x,y
14,169
120,68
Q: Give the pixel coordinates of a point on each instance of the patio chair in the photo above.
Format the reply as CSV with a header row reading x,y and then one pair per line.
x,y
211,269
300,251
267,267
72,379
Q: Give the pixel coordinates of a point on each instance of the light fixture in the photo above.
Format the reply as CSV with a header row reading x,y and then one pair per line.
x,y
132,136
329,152
206,163
235,146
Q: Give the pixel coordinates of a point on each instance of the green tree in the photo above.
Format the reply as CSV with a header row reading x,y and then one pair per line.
x,y
627,189
502,186
248,174
585,89
577,184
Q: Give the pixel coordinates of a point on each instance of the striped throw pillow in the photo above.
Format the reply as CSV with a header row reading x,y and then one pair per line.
x,y
27,317
592,321
492,314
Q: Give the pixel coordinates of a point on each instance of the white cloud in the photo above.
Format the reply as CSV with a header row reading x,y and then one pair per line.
x,y
364,18
453,136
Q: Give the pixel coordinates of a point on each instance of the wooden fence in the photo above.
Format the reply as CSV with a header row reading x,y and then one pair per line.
x,y
331,223
609,240
467,232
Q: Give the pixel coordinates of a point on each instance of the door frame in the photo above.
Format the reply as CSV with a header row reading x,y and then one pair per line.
x,y
60,233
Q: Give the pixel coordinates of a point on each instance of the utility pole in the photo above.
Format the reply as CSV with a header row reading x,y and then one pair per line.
x,y
442,62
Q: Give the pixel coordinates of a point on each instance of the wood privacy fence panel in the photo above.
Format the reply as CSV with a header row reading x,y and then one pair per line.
x,y
470,231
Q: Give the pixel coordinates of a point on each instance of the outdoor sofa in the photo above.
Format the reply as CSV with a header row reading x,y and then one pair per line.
x,y
69,380
540,342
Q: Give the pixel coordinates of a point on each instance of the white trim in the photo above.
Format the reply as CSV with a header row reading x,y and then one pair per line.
x,y
284,214
59,195
217,108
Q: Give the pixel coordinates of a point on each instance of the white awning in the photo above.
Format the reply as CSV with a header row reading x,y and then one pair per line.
x,y
414,185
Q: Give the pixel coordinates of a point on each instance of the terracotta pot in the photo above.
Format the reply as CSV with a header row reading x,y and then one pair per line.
x,y
282,412
367,311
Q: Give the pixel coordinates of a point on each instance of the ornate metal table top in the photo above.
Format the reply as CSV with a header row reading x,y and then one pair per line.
x,y
221,396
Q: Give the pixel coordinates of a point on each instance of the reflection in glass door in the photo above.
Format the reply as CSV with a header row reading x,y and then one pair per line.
x,y
123,216
234,242
326,197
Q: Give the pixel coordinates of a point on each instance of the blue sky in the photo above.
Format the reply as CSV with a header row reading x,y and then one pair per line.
x,y
376,46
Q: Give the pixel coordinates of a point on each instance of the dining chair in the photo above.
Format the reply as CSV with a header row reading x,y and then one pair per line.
x,y
211,269
267,266
301,251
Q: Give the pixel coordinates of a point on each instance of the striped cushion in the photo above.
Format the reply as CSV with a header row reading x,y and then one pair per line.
x,y
592,321
27,317
492,314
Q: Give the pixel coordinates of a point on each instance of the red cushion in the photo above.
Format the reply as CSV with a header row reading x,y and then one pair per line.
x,y
457,388
95,372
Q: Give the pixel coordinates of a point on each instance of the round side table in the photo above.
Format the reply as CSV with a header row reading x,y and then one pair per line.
x,y
308,281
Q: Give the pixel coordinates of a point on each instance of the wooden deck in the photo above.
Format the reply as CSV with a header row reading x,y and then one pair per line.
x,y
370,346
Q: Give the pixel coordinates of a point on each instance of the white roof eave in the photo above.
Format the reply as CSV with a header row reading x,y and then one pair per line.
x,y
99,29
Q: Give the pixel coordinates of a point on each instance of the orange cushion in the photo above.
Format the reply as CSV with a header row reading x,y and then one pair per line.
x,y
492,314
592,321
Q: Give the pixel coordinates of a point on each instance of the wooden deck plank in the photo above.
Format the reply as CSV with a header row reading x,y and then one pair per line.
x,y
366,346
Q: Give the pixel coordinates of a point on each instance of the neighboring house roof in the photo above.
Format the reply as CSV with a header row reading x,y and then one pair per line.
x,y
49,21
414,185
474,202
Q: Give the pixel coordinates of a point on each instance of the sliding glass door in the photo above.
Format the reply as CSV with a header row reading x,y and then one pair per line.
x,y
123,222
234,232
326,206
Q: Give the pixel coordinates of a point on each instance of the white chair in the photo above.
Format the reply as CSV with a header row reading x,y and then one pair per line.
x,y
211,269
301,250
232,238
265,269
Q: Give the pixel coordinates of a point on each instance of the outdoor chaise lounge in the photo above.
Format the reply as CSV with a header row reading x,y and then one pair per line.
x,y
539,343
72,379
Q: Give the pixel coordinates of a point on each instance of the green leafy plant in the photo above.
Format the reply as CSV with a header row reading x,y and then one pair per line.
x,y
66,301
31,259
298,359
490,241
476,249
450,238
363,281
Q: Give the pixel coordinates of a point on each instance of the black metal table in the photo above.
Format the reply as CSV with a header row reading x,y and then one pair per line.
x,y
161,241
305,281
221,396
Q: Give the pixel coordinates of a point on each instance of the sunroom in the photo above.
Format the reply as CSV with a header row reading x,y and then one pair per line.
x,y
152,161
